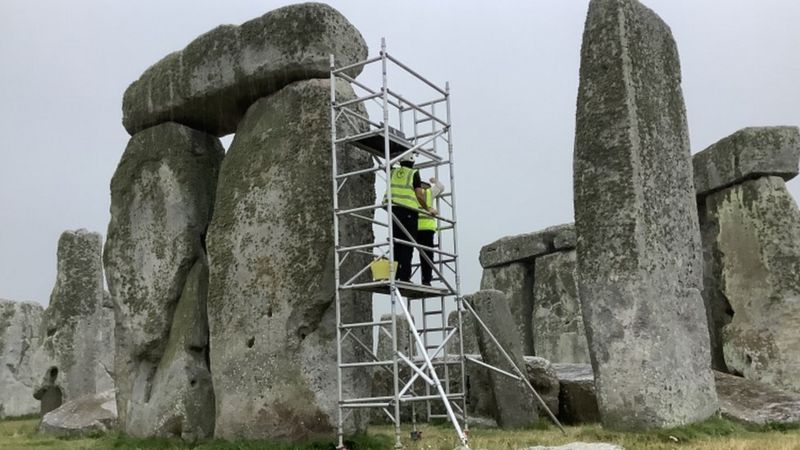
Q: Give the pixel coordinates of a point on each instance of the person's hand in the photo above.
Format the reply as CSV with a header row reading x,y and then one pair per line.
x,y
433,181
433,211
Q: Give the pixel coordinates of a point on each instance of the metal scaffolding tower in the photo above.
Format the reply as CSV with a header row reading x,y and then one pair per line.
x,y
423,375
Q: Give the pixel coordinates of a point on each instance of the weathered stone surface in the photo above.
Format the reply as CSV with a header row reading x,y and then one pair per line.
x,y
91,413
557,326
639,260
579,446
161,201
749,153
516,281
577,398
176,397
755,403
754,246
543,378
19,337
77,332
718,310
382,378
525,247
514,403
384,347
210,84
271,289
467,333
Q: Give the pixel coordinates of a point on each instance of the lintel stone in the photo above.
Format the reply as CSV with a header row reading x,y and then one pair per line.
x,y
748,153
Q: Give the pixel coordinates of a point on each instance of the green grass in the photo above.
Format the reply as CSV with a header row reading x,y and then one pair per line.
x,y
713,434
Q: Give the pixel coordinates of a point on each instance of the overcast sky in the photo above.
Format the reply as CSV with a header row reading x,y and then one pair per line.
x,y
513,69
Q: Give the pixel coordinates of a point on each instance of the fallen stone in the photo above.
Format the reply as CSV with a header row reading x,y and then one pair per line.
x,y
543,377
525,247
271,290
514,404
754,246
752,402
557,326
89,414
177,399
577,399
77,331
639,256
749,153
19,337
162,195
516,281
578,446
211,83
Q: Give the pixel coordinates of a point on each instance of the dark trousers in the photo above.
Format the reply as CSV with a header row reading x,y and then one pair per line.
x,y
425,237
403,252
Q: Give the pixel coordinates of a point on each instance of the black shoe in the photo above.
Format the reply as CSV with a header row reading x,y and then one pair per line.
x,y
426,283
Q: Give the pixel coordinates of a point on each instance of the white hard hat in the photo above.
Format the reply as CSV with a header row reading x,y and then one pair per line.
x,y
408,158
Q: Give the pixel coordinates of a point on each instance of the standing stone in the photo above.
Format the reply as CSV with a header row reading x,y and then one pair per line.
x,y
404,342
270,306
516,281
210,84
19,337
180,401
557,326
756,245
745,155
639,260
468,333
76,355
515,404
161,201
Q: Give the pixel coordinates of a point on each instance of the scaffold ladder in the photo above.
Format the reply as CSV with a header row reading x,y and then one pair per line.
x,y
388,141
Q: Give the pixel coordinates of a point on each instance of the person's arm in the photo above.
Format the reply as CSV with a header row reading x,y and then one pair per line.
x,y
421,199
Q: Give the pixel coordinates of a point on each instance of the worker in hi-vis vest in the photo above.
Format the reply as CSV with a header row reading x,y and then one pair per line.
x,y
426,229
407,198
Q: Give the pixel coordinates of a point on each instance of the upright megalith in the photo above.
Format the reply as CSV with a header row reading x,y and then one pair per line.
x,y
755,245
270,306
211,83
639,260
737,256
181,397
514,403
19,337
77,331
162,196
557,325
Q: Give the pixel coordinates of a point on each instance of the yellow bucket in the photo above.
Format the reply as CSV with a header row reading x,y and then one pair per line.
x,y
380,269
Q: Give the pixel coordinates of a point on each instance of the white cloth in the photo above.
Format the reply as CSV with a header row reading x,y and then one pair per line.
x,y
436,187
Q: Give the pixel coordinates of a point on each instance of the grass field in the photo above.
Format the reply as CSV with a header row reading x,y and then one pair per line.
x,y
715,434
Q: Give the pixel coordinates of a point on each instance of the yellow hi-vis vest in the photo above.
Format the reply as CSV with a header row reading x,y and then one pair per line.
x,y
403,187
425,221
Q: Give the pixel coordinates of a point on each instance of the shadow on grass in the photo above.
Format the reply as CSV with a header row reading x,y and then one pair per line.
x,y
355,443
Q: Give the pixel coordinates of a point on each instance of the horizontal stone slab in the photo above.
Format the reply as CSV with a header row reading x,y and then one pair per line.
x,y
748,153
210,84
752,402
527,246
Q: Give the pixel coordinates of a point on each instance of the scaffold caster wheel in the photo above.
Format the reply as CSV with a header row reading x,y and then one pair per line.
x,y
416,435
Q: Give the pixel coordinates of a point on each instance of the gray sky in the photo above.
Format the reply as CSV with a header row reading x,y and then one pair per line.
x,y
513,69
